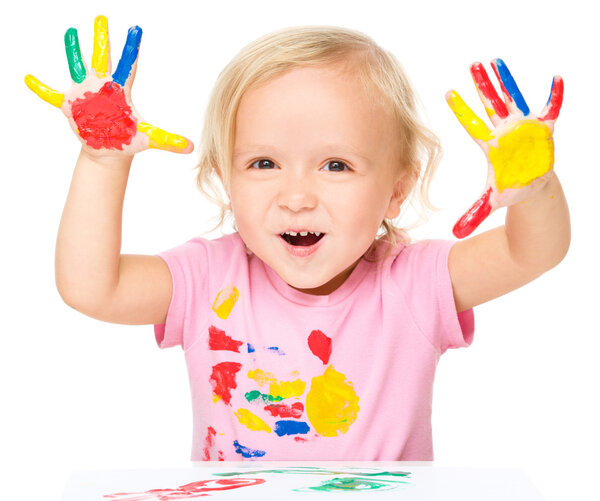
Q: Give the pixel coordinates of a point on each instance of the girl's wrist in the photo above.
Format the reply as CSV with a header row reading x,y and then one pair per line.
x,y
114,160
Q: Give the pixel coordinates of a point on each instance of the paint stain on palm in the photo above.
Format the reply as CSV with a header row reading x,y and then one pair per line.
x,y
225,301
331,403
525,152
104,119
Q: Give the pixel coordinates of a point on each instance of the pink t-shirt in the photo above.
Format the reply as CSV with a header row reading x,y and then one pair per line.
x,y
277,374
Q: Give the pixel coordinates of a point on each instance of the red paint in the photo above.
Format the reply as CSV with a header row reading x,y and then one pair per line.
x,y
104,119
301,439
504,91
320,345
187,491
483,83
223,379
474,216
209,442
218,340
556,99
283,410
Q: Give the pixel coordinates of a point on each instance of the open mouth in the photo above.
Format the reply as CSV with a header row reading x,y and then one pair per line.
x,y
302,238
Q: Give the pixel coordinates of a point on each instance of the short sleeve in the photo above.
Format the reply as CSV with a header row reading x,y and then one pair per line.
x,y
421,273
187,264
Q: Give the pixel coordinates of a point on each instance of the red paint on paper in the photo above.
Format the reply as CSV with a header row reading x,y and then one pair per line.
x,y
187,491
223,379
320,345
218,340
294,411
474,216
104,119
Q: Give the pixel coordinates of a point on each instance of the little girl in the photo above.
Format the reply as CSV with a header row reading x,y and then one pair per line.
x,y
314,331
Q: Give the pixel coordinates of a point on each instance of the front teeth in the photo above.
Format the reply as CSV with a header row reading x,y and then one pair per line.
x,y
302,233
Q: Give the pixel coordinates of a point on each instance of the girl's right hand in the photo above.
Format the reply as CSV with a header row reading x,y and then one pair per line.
x,y
99,106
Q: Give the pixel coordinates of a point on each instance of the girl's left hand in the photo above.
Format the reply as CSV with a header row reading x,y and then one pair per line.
x,y
519,149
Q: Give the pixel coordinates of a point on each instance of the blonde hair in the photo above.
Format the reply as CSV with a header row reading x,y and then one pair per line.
x,y
279,52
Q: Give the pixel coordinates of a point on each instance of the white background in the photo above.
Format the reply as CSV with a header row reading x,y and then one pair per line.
x,y
77,393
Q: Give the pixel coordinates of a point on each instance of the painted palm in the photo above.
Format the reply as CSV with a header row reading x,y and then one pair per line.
x,y
519,148
98,104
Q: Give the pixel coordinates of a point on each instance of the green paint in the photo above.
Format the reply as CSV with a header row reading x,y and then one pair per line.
x,y
267,399
76,66
352,484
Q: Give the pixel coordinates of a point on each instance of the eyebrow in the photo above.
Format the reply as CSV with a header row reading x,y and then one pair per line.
x,y
336,148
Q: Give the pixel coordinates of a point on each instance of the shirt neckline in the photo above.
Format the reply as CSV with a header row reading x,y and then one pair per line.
x,y
338,295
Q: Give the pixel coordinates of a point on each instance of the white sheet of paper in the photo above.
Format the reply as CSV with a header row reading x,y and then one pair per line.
x,y
264,481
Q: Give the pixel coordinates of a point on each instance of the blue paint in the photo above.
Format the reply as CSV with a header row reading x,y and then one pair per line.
x,y
511,86
287,427
551,89
130,54
246,452
250,348
275,349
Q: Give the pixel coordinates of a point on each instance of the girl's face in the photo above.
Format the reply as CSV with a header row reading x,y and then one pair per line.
x,y
313,154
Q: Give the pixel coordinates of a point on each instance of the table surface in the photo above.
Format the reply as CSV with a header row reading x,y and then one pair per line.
x,y
414,481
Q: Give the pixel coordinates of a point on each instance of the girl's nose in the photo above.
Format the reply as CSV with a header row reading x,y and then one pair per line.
x,y
296,194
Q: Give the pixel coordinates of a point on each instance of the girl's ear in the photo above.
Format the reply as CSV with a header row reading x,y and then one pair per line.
x,y
402,187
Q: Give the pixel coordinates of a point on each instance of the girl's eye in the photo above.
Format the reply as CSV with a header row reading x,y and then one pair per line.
x,y
263,164
335,166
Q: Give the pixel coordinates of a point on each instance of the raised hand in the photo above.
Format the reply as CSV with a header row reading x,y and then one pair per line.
x,y
519,148
99,106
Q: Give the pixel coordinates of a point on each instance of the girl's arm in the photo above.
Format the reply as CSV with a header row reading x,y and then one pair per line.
x,y
535,238
91,274
520,154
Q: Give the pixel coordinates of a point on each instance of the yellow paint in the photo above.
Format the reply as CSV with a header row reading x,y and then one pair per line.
x,y
215,398
525,152
476,127
46,93
261,377
225,301
101,45
251,421
162,139
287,389
331,403
490,112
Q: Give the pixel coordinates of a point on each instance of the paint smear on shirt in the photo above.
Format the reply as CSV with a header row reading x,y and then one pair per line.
x,y
258,397
218,340
320,345
275,349
261,377
225,301
251,421
286,427
282,410
247,452
223,379
331,403
287,389
209,445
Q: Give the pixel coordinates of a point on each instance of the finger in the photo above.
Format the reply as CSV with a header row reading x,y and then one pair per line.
x,y
129,56
76,64
164,140
552,108
476,127
101,54
49,95
474,216
494,106
509,86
